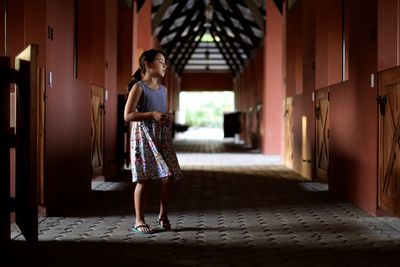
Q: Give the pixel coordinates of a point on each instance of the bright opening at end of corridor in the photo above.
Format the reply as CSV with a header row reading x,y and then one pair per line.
x,y
203,113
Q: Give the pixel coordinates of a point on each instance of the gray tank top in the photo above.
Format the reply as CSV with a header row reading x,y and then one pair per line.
x,y
152,100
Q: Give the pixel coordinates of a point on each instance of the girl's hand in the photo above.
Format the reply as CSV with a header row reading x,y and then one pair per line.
x,y
159,116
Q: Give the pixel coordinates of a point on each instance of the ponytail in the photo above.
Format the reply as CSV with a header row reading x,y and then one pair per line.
x,y
137,76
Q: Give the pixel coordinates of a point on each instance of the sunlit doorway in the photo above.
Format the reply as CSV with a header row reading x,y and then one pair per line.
x,y
201,114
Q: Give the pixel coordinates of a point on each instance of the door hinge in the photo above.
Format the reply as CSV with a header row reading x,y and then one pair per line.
x,y
382,100
318,112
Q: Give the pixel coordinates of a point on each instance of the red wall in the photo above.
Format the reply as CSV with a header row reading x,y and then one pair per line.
x,y
144,32
68,111
354,121
273,82
303,117
248,87
388,32
91,41
328,51
353,109
84,41
2,9
98,42
294,76
23,28
124,59
110,85
207,81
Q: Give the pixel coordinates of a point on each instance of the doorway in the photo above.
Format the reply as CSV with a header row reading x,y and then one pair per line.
x,y
322,134
289,136
97,132
389,134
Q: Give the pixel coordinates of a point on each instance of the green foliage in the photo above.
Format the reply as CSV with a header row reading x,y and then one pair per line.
x,y
206,109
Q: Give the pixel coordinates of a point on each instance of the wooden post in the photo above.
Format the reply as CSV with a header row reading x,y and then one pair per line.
x,y
4,149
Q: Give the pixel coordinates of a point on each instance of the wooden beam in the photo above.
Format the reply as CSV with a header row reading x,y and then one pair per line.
x,y
175,58
192,24
224,55
222,46
172,18
189,49
245,23
229,41
247,30
256,13
160,13
246,47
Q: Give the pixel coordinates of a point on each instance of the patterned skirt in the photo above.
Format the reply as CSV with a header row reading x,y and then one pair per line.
x,y
152,153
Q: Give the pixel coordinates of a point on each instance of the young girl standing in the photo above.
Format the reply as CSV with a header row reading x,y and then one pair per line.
x,y
152,154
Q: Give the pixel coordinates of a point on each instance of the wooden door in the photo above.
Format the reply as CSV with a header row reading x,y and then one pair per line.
x,y
26,147
289,136
389,134
41,131
322,134
4,149
97,130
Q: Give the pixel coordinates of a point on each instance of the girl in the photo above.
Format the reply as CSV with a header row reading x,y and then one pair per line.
x,y
152,153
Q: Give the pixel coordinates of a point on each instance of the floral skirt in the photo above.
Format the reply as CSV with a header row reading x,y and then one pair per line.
x,y
152,153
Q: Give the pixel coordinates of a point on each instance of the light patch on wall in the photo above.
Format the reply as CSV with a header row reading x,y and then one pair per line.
x,y
305,150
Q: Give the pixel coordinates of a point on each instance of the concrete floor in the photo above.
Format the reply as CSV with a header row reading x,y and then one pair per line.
x,y
234,207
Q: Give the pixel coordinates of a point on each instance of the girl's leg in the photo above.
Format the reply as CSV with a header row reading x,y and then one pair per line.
x,y
140,199
166,188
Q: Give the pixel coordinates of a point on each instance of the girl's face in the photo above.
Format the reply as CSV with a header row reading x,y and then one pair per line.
x,y
158,66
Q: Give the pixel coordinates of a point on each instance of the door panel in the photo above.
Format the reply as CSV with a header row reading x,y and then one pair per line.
x,y
4,149
41,132
289,137
97,125
389,134
26,143
322,134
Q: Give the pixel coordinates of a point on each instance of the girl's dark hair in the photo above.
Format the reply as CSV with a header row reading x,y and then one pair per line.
x,y
146,56
137,76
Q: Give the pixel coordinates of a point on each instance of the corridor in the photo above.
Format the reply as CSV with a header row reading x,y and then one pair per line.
x,y
235,207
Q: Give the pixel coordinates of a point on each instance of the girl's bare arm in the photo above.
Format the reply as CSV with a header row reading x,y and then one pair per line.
x,y
130,113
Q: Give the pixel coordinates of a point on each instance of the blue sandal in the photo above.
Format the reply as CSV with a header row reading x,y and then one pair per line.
x,y
143,229
164,223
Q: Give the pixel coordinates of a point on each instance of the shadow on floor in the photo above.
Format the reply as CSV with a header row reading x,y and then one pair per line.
x,y
203,190
141,254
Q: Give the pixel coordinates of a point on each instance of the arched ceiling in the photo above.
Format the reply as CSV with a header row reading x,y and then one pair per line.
x,y
209,35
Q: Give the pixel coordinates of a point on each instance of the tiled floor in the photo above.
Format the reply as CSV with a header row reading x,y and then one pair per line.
x,y
235,207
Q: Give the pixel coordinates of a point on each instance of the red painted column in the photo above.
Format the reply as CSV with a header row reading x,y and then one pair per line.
x,y
144,31
2,29
272,142
135,36
110,85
